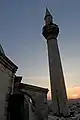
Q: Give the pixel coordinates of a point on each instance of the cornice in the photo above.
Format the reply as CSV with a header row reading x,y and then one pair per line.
x,y
6,62
33,88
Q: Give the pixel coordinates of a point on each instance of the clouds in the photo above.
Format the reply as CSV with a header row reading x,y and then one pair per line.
x,y
72,92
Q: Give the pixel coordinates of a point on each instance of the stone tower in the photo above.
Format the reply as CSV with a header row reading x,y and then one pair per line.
x,y
58,89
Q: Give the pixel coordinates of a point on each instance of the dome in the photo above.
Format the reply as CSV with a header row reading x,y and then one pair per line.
x,y
1,50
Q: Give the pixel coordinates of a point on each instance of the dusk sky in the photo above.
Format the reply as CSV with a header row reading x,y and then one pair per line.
x,y
21,23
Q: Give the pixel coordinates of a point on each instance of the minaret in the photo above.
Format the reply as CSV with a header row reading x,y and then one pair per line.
x,y
58,89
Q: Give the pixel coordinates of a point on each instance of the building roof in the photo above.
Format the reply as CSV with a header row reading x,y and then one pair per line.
x,y
33,88
7,62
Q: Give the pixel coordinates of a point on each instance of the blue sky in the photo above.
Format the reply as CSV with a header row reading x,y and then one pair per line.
x,y
21,22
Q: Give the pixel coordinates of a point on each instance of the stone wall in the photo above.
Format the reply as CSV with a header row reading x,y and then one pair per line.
x,y
7,73
39,96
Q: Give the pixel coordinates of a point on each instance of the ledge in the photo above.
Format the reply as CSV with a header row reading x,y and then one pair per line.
x,y
8,63
33,88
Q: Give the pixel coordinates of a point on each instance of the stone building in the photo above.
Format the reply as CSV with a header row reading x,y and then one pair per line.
x,y
38,96
7,73
24,101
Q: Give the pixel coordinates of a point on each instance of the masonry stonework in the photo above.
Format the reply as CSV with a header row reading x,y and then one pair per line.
x,y
39,96
7,73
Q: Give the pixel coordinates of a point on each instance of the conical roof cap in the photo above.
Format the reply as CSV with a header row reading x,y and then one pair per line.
x,y
47,13
1,49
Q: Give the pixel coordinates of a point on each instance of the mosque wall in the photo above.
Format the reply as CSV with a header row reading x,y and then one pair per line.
x,y
39,95
6,76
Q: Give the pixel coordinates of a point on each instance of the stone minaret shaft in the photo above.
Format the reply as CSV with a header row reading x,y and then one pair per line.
x,y
58,90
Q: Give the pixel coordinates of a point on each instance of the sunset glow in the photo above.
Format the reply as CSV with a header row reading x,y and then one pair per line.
x,y
72,93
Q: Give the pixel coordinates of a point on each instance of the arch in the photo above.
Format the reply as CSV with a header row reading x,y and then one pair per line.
x,y
33,103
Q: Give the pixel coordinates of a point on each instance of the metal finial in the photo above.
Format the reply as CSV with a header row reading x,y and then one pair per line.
x,y
47,13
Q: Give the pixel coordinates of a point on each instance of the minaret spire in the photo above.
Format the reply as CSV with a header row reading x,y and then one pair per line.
x,y
1,49
48,17
47,13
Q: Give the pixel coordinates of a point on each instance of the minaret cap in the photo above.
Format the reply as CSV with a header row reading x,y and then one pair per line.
x,y
47,13
1,49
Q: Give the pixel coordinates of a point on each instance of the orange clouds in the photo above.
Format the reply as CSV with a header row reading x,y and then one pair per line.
x,y
72,93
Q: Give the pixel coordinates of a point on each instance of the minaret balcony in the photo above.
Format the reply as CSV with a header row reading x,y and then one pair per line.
x,y
50,31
